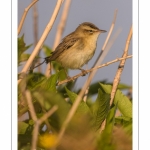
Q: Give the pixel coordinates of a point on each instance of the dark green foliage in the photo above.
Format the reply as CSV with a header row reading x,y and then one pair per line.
x,y
47,50
105,140
83,131
50,83
83,107
124,104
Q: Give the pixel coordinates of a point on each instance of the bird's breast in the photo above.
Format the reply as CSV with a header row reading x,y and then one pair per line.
x,y
78,55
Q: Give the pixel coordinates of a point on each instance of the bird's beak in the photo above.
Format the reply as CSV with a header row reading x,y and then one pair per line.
x,y
102,31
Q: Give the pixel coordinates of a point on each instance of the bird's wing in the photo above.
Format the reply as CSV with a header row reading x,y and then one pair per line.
x,y
66,43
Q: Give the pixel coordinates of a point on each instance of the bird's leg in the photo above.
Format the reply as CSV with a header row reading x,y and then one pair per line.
x,y
83,71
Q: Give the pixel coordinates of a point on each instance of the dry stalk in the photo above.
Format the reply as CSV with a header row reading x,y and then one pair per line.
x,y
30,105
120,68
102,126
35,33
108,36
118,73
42,39
35,24
80,95
85,95
38,122
110,30
24,15
90,70
46,122
60,30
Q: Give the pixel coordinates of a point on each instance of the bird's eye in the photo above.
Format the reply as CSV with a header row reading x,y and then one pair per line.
x,y
91,31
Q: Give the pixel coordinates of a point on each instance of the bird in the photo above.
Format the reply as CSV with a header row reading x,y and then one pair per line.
x,y
76,49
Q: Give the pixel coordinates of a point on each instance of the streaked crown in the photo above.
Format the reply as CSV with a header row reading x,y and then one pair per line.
x,y
89,27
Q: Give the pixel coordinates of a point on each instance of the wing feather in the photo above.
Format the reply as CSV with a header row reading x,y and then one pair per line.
x,y
66,43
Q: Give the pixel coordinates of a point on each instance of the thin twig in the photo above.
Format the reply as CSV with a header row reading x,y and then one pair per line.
x,y
118,74
35,24
43,37
46,122
60,30
62,23
48,114
120,68
102,126
85,95
110,30
24,15
108,36
35,136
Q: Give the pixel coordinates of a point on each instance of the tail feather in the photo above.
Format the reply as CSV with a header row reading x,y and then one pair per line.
x,y
47,59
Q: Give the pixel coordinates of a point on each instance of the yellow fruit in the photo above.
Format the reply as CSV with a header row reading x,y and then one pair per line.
x,y
47,140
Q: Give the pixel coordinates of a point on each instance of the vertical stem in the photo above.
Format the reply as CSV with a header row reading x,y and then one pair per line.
x,y
35,32
120,68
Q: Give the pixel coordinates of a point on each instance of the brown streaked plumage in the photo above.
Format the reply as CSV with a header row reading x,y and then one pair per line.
x,y
77,48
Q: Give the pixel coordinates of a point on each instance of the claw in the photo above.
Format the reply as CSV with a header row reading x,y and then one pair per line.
x,y
84,72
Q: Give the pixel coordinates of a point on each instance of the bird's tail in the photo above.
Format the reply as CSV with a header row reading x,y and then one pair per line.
x,y
46,59
39,65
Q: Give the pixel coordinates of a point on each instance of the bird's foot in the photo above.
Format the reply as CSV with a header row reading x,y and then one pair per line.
x,y
84,72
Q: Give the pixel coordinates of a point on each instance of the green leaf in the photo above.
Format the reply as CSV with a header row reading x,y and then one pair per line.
x,y
61,88
83,107
22,48
124,104
71,95
47,50
23,57
57,66
35,80
62,75
94,88
22,127
100,108
123,86
50,83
